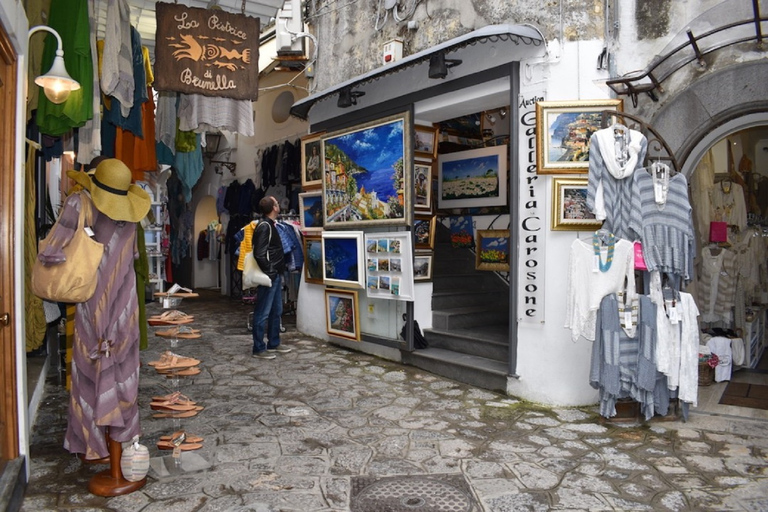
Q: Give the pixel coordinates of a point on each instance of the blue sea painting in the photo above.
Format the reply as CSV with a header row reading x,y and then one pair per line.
x,y
341,259
480,166
313,211
314,259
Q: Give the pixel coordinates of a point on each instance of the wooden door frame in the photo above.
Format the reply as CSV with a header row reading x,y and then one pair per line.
x,y
9,414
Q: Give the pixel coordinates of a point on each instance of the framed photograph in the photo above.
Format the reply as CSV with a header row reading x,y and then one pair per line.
x,y
311,163
311,210
389,273
563,129
422,266
343,258
313,259
422,186
492,250
569,206
341,314
367,181
473,178
425,141
424,231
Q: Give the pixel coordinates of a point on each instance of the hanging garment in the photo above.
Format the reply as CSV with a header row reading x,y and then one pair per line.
x,y
586,287
721,347
105,358
622,364
166,119
141,267
717,284
189,167
89,136
117,62
34,318
610,185
198,113
70,19
728,205
661,214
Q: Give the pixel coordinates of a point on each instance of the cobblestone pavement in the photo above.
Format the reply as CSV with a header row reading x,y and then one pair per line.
x,y
310,430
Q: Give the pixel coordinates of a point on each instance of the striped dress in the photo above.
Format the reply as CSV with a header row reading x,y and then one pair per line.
x,y
105,359
666,229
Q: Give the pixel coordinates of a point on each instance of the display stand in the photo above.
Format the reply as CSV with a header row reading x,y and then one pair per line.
x,y
111,482
153,235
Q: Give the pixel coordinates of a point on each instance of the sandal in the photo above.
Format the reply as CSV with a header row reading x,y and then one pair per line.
x,y
173,314
173,404
173,361
154,322
185,446
187,372
188,439
175,397
180,332
185,414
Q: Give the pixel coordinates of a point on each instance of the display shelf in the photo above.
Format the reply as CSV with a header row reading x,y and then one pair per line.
x,y
754,339
153,242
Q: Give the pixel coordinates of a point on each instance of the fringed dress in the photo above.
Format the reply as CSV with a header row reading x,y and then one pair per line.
x,y
105,358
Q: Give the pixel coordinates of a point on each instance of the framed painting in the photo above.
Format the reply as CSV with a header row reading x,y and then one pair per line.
x,y
311,154
569,206
422,186
563,129
422,266
365,181
389,273
425,141
341,314
343,258
313,259
424,231
492,250
311,210
473,178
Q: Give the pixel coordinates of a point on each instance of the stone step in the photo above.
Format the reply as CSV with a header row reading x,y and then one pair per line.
x,y
490,342
473,370
465,317
491,299
461,282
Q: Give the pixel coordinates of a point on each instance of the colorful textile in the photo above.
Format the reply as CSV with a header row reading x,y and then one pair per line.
x,y
33,305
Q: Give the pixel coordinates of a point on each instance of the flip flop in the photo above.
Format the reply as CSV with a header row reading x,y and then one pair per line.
x,y
188,439
180,332
189,372
156,323
175,397
166,406
174,361
185,414
172,314
185,446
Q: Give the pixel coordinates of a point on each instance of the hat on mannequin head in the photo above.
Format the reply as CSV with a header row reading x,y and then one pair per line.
x,y
113,193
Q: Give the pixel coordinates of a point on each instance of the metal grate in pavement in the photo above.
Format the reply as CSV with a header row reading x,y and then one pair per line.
x,y
411,493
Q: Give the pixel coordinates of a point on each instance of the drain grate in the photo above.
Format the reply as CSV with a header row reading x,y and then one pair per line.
x,y
412,493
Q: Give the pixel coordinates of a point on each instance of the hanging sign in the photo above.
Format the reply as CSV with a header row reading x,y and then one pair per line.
x,y
206,51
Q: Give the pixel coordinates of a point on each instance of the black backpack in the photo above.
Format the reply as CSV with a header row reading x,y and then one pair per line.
x,y
419,341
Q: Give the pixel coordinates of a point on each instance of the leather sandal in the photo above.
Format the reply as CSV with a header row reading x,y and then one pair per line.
x,y
172,314
187,372
188,439
155,322
169,414
185,446
175,397
182,331
174,361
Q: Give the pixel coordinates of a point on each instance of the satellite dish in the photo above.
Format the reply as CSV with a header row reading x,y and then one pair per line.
x,y
281,108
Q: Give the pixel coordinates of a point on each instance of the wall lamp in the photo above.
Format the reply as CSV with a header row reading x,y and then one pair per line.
x,y
348,97
56,83
439,65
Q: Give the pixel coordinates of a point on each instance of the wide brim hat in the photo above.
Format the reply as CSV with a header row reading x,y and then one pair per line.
x,y
112,192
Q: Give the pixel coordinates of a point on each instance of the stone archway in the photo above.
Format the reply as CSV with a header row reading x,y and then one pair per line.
x,y
717,104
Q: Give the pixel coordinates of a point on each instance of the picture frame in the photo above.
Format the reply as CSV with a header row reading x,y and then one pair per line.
x,y
311,161
367,177
389,269
342,314
425,141
569,206
473,178
424,231
422,266
492,250
313,259
311,210
563,129
343,258
422,186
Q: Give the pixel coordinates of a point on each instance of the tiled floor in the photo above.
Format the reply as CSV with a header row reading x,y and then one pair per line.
x,y
709,396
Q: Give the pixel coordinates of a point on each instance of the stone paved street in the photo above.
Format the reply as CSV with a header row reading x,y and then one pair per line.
x,y
297,432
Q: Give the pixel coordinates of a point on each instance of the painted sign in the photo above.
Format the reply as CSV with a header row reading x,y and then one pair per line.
x,y
532,231
206,51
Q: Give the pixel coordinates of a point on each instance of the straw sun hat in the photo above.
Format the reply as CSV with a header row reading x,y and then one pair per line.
x,y
112,192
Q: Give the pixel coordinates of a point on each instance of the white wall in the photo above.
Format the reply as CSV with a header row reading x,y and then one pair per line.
x,y
205,271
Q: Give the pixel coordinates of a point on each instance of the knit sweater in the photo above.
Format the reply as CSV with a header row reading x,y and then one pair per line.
x,y
666,229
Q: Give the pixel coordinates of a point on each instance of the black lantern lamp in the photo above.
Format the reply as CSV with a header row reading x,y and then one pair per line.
x,y
439,65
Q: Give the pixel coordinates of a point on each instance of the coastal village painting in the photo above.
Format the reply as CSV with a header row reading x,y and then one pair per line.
x,y
364,179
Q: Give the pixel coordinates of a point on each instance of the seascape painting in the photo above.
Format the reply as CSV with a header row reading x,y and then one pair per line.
x,y
311,206
313,260
341,314
364,180
343,258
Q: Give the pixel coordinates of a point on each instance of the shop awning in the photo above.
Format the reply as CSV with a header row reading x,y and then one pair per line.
x,y
479,50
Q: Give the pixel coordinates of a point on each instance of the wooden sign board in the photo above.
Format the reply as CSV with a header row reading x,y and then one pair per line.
x,y
206,51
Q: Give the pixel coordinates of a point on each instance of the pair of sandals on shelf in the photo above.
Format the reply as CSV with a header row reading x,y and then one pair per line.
x,y
171,317
172,364
174,405
181,440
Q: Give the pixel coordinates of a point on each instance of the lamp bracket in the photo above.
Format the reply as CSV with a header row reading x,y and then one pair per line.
x,y
218,164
